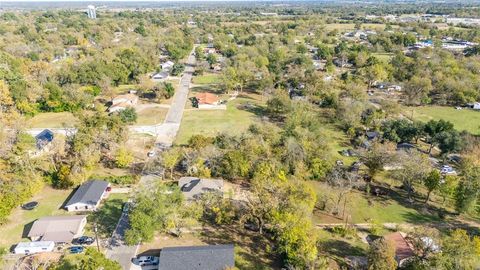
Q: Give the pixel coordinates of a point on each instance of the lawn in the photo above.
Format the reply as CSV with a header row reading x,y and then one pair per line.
x,y
209,78
212,122
52,120
389,208
50,200
465,119
107,216
151,116
384,57
351,26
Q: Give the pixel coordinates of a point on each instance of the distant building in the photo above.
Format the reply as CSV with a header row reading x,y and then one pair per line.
x,y
88,196
34,247
160,76
206,100
91,12
167,65
43,139
212,257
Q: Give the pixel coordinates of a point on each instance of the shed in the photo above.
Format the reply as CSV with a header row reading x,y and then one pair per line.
x,y
34,247
212,257
88,196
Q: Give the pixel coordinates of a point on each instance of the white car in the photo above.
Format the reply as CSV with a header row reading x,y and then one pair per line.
x,y
146,260
447,170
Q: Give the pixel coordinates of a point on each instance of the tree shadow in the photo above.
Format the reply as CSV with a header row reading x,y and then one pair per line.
x,y
106,218
341,248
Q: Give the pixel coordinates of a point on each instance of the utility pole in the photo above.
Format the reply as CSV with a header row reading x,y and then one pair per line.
x,y
95,229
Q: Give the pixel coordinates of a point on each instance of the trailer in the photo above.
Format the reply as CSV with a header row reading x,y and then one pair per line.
x,y
34,247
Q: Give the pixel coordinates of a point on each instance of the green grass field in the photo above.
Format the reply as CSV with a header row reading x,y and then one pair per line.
x,y
211,122
384,57
208,78
50,200
468,120
151,116
107,216
52,120
380,210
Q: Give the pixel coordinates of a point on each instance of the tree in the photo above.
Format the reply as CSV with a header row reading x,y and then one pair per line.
x,y
211,59
432,182
170,160
123,158
90,260
169,90
414,166
177,69
468,191
417,90
448,141
377,156
447,187
459,251
382,255
128,116
434,128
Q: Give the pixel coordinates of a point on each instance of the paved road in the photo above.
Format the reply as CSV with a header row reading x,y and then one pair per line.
x,y
118,250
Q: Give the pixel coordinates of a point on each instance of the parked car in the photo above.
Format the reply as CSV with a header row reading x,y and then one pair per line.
x,y
446,169
146,260
84,240
30,205
151,154
76,249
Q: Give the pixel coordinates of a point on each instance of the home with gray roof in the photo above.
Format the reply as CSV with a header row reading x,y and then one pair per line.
x,y
88,196
59,229
193,187
213,257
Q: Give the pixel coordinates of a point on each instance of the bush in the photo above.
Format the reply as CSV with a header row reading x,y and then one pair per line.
x,y
177,69
121,180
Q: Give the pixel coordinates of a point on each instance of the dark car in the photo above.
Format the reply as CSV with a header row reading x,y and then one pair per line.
x,y
84,240
30,205
76,249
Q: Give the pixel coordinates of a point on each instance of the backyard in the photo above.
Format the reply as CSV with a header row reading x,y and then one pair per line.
x,y
50,200
207,78
240,113
52,120
464,119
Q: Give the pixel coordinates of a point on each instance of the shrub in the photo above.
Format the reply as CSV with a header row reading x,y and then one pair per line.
x,y
121,180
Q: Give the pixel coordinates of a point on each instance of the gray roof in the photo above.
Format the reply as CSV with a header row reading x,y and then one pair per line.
x,y
213,257
89,192
57,228
194,187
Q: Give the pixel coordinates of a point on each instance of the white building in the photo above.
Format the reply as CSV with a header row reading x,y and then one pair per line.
x,y
167,65
88,196
121,102
476,106
34,247
91,12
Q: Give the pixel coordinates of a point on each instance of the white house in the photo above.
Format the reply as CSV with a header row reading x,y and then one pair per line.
x,y
121,102
476,106
167,65
88,196
160,76
34,247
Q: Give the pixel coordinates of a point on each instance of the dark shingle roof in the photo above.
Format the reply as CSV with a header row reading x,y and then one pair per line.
x,y
89,192
43,138
213,257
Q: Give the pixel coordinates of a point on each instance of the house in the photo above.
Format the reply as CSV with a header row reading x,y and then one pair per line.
x,y
371,135
212,257
193,187
167,65
59,229
476,106
403,249
388,87
405,147
160,76
206,100
121,102
43,139
34,247
88,196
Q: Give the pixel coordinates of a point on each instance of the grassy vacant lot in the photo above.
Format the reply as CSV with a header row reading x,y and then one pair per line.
x,y
468,120
235,119
384,57
52,120
208,78
50,200
389,208
151,116
351,26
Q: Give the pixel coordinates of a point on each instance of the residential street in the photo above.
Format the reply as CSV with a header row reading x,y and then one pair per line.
x,y
117,250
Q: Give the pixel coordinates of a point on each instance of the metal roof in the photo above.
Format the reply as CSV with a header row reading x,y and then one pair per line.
x,y
213,257
89,192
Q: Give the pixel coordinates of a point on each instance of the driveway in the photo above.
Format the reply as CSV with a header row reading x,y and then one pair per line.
x,y
117,249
